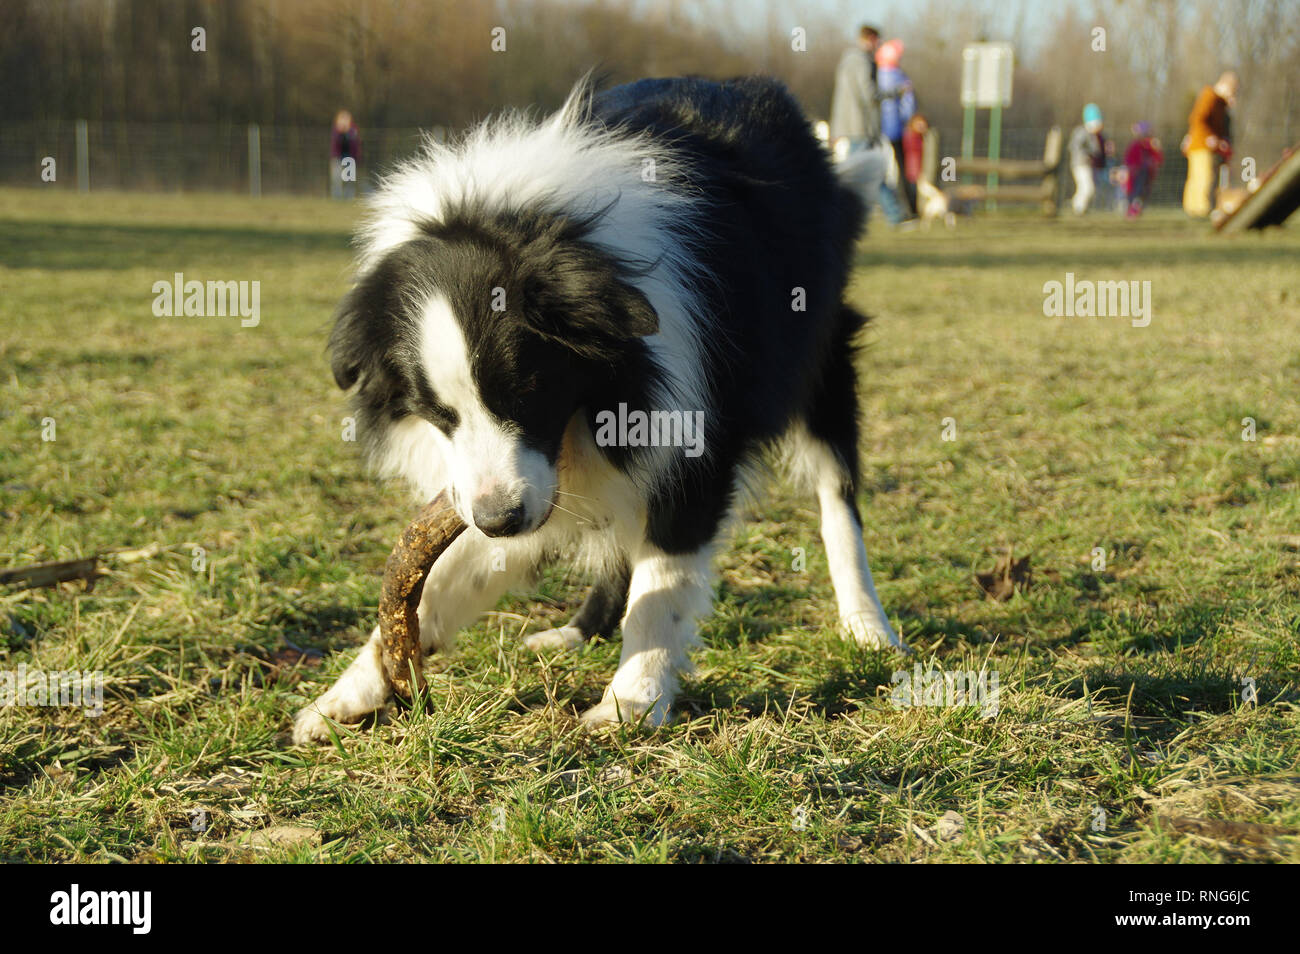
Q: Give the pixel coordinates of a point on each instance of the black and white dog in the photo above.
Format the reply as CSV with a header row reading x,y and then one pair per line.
x,y
592,329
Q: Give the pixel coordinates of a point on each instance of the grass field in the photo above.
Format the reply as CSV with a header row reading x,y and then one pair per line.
x,y
1125,729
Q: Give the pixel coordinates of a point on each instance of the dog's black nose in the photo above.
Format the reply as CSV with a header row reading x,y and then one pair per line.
x,y
498,515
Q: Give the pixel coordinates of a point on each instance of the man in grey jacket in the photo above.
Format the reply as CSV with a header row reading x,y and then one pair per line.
x,y
861,151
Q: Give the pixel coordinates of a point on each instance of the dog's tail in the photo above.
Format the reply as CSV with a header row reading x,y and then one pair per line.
x,y
851,322
848,216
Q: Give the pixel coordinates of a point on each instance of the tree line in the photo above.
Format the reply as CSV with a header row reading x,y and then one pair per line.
x,y
448,62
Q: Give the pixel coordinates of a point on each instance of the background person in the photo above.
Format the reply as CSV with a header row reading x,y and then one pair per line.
x,y
345,143
1087,157
896,110
914,153
859,148
1207,143
1142,160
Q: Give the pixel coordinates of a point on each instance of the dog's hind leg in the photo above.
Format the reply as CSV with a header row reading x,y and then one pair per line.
x,y
861,614
468,580
824,454
598,615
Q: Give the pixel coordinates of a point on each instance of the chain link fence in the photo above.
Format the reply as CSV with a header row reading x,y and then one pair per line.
x,y
176,157
295,160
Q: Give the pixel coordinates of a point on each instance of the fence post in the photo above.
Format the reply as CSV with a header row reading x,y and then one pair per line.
x,y
83,157
995,153
967,136
254,160
930,158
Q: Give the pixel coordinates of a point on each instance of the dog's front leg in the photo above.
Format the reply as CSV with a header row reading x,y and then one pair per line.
x,y
467,581
667,596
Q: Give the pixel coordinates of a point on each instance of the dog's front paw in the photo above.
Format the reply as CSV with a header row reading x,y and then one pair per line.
x,y
310,726
362,689
611,711
564,638
872,632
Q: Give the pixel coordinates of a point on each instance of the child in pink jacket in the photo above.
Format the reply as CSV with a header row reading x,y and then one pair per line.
x,y
1142,160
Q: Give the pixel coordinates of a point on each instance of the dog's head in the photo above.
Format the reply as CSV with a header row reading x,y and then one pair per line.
x,y
473,345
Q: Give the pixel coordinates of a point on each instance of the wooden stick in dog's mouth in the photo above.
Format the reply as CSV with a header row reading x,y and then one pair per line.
x,y
421,543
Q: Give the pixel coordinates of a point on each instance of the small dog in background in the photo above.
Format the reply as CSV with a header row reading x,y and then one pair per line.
x,y
934,205
1229,200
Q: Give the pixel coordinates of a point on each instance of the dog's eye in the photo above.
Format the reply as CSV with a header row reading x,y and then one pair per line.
x,y
422,401
437,414
444,417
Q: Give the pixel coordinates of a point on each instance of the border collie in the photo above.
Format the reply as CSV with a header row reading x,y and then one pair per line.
x,y
543,309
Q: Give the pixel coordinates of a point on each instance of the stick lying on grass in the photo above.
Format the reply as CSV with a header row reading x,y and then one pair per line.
x,y
86,569
52,574
420,545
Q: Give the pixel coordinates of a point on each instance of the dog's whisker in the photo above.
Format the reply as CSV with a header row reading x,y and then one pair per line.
x,y
569,512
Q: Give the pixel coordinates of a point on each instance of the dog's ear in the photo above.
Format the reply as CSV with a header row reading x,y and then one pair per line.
x,y
581,297
346,356
619,308
364,324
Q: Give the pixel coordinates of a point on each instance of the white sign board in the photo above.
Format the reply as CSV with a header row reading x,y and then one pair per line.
x,y
986,74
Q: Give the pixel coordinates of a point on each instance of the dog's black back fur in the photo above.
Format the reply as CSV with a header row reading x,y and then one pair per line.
x,y
781,230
